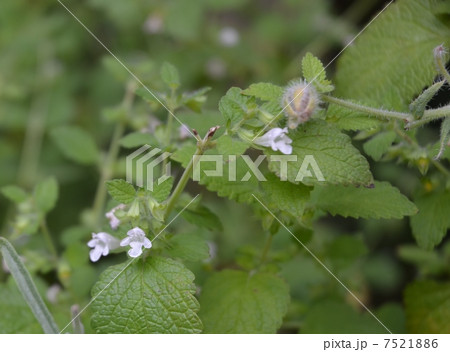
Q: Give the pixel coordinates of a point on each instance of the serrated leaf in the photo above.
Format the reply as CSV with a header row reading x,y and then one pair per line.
x,y
162,190
184,154
121,190
286,196
46,194
314,73
430,225
14,193
236,302
384,201
151,296
264,91
76,144
188,247
379,144
233,105
338,160
393,59
428,307
226,145
350,120
170,75
203,217
137,139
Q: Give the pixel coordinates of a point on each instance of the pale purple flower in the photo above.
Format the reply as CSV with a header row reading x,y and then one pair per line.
x,y
101,243
114,222
136,239
276,139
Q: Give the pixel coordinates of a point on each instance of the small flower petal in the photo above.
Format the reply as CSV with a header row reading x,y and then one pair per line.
x,y
95,254
147,243
276,139
125,242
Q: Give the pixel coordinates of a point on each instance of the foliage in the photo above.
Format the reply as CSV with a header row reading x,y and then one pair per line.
x,y
248,201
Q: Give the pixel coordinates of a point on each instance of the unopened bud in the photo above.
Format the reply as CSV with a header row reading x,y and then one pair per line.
x,y
300,101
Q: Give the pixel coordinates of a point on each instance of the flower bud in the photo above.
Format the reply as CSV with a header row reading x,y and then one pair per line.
x,y
299,101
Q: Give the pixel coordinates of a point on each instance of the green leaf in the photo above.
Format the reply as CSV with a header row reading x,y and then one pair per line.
x,y
226,145
14,193
265,91
203,217
184,154
170,75
162,190
384,201
393,59
121,190
285,196
155,295
379,144
427,307
337,159
233,105
137,139
314,73
195,100
189,247
27,287
334,317
236,302
76,144
46,194
430,225
350,120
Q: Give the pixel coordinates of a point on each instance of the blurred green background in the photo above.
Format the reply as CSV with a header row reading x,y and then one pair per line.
x,y
54,73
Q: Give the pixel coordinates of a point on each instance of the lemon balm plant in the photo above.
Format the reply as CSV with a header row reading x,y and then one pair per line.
x,y
161,267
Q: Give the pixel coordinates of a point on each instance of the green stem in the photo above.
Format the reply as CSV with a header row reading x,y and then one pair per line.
x,y
430,115
182,183
106,172
379,113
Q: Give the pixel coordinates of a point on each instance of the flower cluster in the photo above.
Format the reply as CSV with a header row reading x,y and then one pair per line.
x,y
102,243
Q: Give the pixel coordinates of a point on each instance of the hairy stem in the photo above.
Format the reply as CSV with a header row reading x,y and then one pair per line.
x,y
106,172
379,113
183,181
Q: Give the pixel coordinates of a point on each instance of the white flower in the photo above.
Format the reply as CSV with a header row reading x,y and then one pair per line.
x,y
102,243
114,222
277,139
229,36
136,239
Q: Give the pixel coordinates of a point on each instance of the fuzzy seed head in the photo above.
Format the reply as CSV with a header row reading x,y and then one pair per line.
x,y
301,101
